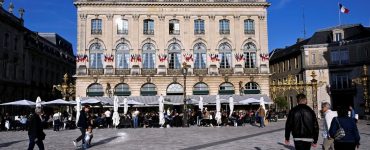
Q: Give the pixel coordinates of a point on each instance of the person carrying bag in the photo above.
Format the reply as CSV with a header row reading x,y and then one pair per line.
x,y
344,130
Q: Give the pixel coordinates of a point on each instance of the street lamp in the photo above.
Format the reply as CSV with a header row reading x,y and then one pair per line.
x,y
185,117
67,90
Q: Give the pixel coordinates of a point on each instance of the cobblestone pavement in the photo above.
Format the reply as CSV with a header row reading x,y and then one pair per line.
x,y
207,138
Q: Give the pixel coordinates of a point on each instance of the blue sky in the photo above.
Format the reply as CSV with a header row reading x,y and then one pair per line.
x,y
285,21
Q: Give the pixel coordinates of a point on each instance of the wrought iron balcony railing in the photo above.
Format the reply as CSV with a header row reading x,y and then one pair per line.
x,y
97,71
175,32
224,31
125,32
145,71
226,71
149,32
122,71
250,70
248,31
200,71
199,32
96,31
174,72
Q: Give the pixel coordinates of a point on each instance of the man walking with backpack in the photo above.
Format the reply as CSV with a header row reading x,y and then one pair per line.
x,y
303,125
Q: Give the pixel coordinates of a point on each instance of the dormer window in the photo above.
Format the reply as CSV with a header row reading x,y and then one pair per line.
x,y
338,37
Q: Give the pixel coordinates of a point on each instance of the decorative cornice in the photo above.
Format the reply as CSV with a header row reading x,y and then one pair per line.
x,y
109,16
180,4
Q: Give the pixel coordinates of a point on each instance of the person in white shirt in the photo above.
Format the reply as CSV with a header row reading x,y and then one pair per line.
x,y
108,117
328,117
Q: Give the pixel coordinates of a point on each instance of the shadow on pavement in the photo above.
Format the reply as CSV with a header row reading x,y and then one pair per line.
x,y
257,148
104,141
10,143
231,140
287,146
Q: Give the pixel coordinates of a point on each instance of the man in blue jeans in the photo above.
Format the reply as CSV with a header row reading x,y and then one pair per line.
x,y
82,124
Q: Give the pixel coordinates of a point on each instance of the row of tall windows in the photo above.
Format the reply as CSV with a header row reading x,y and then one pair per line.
x,y
174,26
123,56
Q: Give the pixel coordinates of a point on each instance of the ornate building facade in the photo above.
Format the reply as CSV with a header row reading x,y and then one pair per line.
x,y
30,62
138,48
337,56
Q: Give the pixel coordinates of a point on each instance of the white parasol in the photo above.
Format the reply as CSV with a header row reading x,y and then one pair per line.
x,y
262,102
161,110
115,113
20,103
125,106
218,109
201,103
38,101
78,108
231,105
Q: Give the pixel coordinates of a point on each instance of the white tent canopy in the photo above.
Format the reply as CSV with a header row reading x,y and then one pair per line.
x,y
19,103
57,102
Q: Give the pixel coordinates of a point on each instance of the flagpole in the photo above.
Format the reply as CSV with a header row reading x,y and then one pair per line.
x,y
340,22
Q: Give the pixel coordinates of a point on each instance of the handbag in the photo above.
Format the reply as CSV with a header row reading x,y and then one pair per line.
x,y
340,132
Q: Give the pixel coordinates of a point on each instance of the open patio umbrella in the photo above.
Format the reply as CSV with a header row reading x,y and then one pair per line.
x,y
125,106
115,113
78,108
133,102
231,105
249,101
218,109
192,101
262,102
56,102
19,103
161,110
90,101
38,101
201,103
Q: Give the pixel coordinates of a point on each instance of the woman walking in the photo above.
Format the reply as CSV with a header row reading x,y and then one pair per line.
x,y
351,139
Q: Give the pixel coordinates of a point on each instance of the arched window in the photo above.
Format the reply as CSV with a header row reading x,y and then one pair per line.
x,y
200,56
225,55
248,26
252,88
96,55
122,56
148,89
224,26
148,56
226,89
250,55
200,89
199,26
95,89
174,26
149,27
175,89
174,56
122,89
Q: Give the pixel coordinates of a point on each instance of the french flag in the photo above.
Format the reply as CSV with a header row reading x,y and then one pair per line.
x,y
343,9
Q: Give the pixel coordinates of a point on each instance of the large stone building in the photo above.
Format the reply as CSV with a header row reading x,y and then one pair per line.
x,y
137,48
30,62
347,42
349,54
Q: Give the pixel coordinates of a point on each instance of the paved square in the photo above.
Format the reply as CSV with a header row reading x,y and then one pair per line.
x,y
223,138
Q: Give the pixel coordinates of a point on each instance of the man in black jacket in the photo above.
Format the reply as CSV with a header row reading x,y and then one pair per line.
x,y
303,125
35,133
82,124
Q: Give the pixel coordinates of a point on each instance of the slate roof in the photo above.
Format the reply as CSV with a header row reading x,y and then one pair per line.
x,y
323,36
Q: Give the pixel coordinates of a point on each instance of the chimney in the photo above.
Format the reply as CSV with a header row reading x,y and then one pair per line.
x,y
300,40
1,3
11,7
21,13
